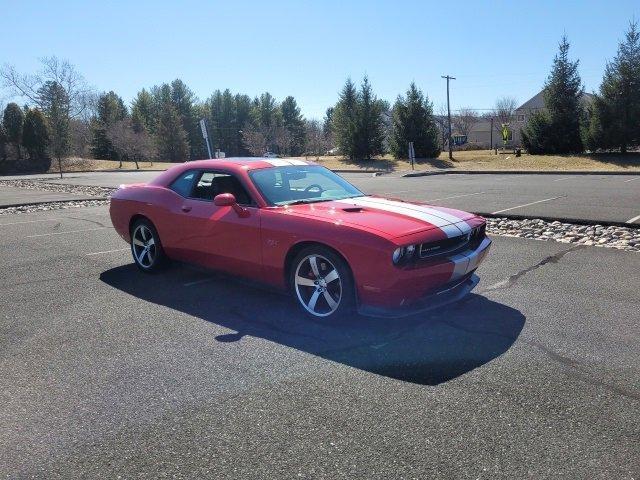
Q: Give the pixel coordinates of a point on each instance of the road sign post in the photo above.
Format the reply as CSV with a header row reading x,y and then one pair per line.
x,y
205,135
412,155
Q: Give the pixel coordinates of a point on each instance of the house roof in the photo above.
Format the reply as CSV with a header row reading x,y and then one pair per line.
x,y
537,101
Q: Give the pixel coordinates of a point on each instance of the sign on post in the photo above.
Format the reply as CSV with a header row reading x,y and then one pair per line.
x,y
412,155
205,134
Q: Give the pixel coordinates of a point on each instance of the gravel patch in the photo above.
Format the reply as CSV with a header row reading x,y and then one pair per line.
x,y
56,187
622,238
43,207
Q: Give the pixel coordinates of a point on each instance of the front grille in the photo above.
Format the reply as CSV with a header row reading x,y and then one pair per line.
x,y
453,244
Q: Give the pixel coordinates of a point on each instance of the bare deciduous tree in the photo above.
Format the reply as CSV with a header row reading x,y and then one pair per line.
x,y
503,112
317,141
465,120
129,144
62,72
254,140
442,122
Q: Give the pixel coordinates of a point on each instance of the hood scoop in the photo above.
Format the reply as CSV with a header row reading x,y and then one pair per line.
x,y
353,209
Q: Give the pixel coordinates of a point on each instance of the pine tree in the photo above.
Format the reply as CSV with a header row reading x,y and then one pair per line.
x,y
184,101
173,144
142,112
370,134
57,113
344,122
3,143
13,121
563,109
242,121
412,121
614,119
35,136
110,110
295,125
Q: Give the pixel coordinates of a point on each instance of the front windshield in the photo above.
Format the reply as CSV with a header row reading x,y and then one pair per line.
x,y
301,184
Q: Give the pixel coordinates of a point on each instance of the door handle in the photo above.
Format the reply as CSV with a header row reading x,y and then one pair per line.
x,y
186,209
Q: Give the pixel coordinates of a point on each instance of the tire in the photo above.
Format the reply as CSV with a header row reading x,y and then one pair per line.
x,y
146,248
322,284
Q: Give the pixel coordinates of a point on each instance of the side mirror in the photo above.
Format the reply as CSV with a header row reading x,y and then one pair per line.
x,y
224,200
229,200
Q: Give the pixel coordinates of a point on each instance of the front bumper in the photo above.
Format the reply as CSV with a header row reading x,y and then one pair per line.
x,y
413,291
448,294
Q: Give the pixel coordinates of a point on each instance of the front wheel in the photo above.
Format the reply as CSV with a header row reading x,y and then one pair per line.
x,y
322,283
146,247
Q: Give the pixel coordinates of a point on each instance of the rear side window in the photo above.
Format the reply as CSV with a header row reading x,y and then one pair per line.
x,y
182,185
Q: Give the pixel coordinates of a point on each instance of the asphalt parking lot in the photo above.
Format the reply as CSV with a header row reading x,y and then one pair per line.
x,y
600,198
105,371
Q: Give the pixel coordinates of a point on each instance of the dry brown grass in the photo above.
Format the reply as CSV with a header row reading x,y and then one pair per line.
x,y
487,160
76,164
468,160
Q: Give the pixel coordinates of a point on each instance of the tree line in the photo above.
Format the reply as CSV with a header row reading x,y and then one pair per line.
x,y
573,122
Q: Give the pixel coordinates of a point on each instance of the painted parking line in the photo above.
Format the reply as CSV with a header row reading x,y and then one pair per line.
x,y
631,220
561,179
64,233
525,205
632,179
107,251
454,196
32,221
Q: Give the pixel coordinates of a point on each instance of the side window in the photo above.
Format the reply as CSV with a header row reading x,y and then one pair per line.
x,y
204,187
211,184
182,184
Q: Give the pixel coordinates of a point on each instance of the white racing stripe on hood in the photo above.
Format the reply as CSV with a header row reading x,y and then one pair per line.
x,y
401,208
460,223
298,162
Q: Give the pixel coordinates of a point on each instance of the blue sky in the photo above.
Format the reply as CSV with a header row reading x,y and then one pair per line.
x,y
308,49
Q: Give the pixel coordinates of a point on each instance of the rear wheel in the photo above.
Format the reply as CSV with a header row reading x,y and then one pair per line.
x,y
146,247
322,284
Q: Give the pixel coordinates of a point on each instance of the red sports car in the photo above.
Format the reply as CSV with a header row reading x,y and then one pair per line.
x,y
301,228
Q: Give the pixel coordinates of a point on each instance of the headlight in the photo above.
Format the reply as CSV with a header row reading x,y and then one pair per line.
x,y
402,254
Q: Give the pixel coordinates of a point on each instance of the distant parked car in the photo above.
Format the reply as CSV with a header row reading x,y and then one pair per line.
x,y
270,155
300,227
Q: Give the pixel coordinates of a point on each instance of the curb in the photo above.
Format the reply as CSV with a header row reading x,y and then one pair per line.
x,y
28,204
517,172
577,221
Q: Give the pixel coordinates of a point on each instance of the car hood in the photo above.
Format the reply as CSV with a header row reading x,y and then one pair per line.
x,y
393,218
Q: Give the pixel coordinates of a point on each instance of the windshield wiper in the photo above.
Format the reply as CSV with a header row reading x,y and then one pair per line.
x,y
308,200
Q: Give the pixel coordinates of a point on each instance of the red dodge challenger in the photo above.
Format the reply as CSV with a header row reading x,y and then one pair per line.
x,y
301,228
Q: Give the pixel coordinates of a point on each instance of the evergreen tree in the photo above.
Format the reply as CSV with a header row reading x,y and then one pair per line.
x,y
560,123
142,112
35,136
344,122
173,144
243,120
184,101
110,110
412,121
614,118
370,134
13,121
3,143
294,123
57,113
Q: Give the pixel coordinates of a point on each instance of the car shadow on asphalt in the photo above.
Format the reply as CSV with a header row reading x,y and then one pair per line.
x,y
426,349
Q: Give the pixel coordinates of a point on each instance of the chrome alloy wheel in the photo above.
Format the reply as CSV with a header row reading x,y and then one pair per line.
x,y
143,246
318,285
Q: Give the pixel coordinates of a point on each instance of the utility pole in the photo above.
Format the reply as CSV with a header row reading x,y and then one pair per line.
x,y
449,113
